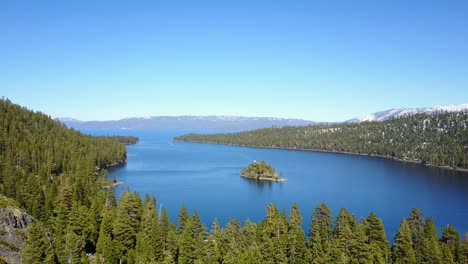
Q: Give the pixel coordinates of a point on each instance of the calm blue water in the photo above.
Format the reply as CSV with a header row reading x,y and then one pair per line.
x,y
206,178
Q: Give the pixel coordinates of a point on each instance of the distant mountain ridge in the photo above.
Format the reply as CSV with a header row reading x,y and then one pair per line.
x,y
188,122
228,122
398,112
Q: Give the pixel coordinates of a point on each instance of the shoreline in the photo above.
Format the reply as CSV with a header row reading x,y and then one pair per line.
x,y
446,167
265,179
115,164
113,184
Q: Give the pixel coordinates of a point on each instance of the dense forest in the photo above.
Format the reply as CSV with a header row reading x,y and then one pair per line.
x,y
134,232
440,139
58,174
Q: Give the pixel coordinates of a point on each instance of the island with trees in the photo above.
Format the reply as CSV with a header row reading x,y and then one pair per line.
x,y
261,171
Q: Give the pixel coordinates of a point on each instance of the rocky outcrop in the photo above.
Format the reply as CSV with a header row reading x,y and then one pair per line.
x,y
14,224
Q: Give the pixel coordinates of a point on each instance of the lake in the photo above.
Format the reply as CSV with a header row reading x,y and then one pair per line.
x,y
205,177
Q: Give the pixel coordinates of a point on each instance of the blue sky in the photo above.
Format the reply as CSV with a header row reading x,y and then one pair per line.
x,y
318,60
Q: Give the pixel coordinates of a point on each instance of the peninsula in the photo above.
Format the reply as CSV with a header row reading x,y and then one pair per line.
x,y
261,171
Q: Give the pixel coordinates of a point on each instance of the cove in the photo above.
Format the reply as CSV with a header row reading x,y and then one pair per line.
x,y
205,177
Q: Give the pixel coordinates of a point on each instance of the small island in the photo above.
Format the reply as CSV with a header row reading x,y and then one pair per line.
x,y
261,171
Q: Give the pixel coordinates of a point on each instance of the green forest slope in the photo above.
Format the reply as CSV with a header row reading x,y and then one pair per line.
x,y
439,140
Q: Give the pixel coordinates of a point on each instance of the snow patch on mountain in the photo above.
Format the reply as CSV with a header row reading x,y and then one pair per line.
x,y
397,112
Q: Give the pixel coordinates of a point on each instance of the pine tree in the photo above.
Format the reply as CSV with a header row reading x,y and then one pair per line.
x,y
214,247
249,244
37,248
164,227
451,238
76,233
376,234
403,248
105,232
170,248
124,228
63,206
199,236
447,257
464,257
343,233
416,225
231,234
320,234
430,250
274,237
297,250
187,244
360,250
148,233
184,217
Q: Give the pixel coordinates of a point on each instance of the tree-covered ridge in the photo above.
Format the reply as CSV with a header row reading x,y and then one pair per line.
x,y
48,168
124,139
260,171
440,139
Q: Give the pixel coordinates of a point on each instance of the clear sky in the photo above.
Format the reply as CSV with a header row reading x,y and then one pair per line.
x,y
319,60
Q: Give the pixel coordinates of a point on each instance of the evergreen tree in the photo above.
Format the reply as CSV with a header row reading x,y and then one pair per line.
x,y
297,250
360,250
76,234
170,248
430,250
376,234
184,217
124,228
274,237
187,245
164,227
148,235
320,234
451,238
416,225
403,248
37,248
231,234
250,251
343,233
447,257
105,232
214,249
464,257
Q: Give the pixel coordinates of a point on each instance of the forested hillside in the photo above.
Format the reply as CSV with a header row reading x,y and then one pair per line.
x,y
55,173
438,139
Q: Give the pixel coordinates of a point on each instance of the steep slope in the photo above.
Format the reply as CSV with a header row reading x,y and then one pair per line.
x,y
56,174
14,224
437,139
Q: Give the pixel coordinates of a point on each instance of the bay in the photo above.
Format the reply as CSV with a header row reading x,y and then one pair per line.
x,y
205,178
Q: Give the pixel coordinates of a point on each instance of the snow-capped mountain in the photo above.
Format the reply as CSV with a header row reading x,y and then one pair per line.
x,y
188,122
397,112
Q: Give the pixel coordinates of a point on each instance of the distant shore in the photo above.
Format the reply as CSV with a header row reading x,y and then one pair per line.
x,y
446,167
